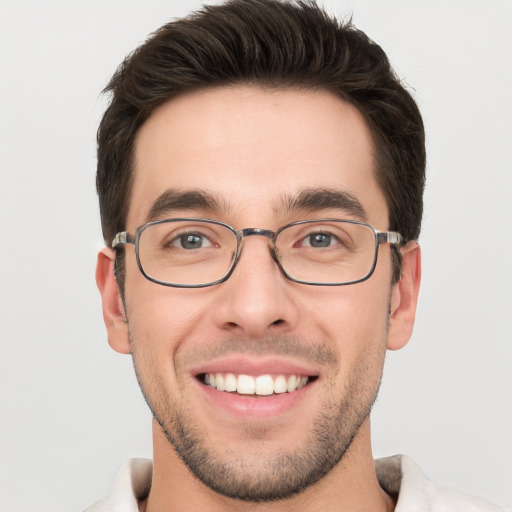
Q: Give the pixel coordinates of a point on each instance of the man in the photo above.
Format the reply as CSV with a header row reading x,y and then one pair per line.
x,y
260,174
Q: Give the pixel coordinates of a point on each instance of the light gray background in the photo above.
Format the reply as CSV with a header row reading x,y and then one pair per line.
x,y
71,410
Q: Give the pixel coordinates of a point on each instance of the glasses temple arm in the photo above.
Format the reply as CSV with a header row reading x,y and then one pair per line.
x,y
122,238
390,237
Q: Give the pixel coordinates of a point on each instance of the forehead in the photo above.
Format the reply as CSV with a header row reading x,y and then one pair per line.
x,y
253,149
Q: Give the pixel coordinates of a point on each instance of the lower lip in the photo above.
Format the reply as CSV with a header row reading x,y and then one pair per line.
x,y
255,406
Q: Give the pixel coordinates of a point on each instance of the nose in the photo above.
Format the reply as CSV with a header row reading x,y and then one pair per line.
x,y
257,299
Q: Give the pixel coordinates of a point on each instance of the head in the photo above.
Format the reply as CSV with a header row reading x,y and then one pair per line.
x,y
257,113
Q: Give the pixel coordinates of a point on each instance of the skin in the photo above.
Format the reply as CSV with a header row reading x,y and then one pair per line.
x,y
251,148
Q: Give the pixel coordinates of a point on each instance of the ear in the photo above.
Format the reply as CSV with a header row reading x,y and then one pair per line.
x,y
404,298
113,307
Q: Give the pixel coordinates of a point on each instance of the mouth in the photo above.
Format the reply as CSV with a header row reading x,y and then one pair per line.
x,y
255,387
259,385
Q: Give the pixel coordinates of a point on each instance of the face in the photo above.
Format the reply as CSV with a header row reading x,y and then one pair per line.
x,y
256,151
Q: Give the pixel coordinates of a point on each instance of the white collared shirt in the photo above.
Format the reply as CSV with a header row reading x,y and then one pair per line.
x,y
398,475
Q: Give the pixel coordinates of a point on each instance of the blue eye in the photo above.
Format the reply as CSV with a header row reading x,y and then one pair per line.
x,y
191,241
319,240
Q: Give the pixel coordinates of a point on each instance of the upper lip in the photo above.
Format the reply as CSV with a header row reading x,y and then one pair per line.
x,y
255,366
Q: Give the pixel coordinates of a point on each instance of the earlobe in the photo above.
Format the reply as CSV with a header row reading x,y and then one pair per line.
x,y
404,298
112,304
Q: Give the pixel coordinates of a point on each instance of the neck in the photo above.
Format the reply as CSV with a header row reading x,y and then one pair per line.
x,y
352,485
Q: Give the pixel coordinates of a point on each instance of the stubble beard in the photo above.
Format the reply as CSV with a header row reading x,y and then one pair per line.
x,y
268,476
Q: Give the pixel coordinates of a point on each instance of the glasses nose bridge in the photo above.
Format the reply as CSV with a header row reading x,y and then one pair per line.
x,y
244,233
267,233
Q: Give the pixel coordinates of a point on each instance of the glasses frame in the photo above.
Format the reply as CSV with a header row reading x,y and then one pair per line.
x,y
381,237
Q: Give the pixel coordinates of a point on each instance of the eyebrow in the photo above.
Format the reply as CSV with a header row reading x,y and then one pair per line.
x,y
173,200
318,199
307,200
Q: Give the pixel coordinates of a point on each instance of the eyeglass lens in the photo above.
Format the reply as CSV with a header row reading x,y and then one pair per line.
x,y
194,252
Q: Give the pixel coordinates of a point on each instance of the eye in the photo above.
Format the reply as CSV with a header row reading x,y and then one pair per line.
x,y
319,240
191,241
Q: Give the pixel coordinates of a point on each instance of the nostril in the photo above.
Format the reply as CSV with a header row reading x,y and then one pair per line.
x,y
277,322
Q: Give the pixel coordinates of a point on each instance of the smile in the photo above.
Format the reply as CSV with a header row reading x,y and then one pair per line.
x,y
262,385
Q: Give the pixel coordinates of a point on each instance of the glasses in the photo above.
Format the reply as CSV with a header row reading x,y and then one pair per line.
x,y
194,253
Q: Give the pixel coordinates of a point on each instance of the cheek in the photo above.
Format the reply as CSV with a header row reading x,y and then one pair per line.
x,y
160,320
156,310
353,320
165,316
351,314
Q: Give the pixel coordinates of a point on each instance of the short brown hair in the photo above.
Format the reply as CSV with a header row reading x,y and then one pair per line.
x,y
275,43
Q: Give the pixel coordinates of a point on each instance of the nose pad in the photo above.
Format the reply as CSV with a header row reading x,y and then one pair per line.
x,y
248,232
273,253
261,255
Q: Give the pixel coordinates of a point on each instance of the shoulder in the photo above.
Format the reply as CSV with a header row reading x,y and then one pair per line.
x,y
131,484
401,477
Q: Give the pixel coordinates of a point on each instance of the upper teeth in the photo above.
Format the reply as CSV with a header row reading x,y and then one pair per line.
x,y
261,385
